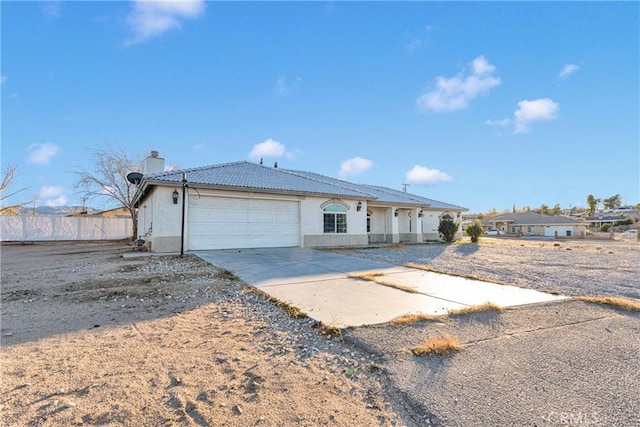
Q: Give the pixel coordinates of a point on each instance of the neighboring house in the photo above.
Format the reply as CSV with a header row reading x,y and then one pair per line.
x,y
598,221
535,224
245,205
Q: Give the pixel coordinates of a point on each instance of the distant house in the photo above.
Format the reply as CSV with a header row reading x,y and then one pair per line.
x,y
599,221
535,224
249,205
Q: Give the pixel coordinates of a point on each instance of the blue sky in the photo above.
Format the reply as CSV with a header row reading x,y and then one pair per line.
x,y
483,105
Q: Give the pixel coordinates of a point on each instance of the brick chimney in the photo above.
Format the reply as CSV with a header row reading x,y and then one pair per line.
x,y
153,164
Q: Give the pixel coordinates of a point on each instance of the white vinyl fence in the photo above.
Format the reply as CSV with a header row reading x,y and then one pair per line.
x,y
29,228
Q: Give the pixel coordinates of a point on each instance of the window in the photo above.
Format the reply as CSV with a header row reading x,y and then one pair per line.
x,y
368,223
335,219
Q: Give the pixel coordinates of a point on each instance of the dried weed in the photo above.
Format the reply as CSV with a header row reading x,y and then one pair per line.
x,y
438,346
617,302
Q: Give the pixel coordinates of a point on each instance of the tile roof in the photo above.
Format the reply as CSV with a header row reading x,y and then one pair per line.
x,y
251,176
608,218
381,194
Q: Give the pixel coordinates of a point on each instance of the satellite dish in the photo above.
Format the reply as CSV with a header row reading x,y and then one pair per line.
x,y
134,177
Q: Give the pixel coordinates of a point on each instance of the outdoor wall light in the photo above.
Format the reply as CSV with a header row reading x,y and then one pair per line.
x,y
397,212
175,197
359,206
420,214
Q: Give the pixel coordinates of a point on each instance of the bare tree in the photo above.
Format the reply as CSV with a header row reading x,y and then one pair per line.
x,y
8,178
108,179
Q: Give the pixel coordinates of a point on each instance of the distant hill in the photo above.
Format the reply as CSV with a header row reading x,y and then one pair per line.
x,y
58,210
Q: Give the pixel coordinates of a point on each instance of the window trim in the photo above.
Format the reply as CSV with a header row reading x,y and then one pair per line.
x,y
334,215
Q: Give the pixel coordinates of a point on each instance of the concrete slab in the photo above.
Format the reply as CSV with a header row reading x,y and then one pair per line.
x,y
349,302
469,291
317,283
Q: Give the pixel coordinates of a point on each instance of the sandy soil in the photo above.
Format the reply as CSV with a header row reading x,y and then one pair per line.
x,y
88,338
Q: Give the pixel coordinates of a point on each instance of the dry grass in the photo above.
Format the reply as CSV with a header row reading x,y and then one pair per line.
x,y
330,330
404,288
439,346
617,302
250,290
226,275
291,310
373,277
415,318
487,306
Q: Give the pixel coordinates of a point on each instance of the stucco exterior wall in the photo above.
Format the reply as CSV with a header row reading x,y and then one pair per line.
x,y
160,221
430,224
381,227
312,223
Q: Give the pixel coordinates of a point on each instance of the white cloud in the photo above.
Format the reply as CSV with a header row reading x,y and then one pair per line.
x,y
272,148
293,155
41,154
455,93
421,175
52,196
3,79
355,166
534,111
58,201
48,192
567,70
151,19
268,148
500,123
283,87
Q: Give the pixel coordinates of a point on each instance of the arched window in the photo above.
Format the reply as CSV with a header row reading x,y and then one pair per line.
x,y
335,218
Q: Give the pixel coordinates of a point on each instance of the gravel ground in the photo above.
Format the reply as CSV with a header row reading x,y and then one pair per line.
x,y
568,267
88,338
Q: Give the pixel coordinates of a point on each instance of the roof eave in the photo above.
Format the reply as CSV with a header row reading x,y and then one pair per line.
x,y
156,182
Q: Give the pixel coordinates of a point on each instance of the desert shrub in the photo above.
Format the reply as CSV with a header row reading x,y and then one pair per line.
x,y
626,221
605,228
448,228
474,231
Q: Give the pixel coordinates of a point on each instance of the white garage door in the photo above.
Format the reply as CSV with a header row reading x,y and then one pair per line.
x,y
228,223
563,231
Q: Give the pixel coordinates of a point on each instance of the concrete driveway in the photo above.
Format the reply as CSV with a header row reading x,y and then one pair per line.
x,y
318,283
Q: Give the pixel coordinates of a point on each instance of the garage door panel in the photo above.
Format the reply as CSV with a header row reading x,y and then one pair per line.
x,y
220,223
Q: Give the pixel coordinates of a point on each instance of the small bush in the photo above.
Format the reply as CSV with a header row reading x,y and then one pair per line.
x,y
474,231
448,228
605,228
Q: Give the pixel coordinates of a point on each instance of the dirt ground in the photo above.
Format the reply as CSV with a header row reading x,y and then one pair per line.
x,y
90,338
